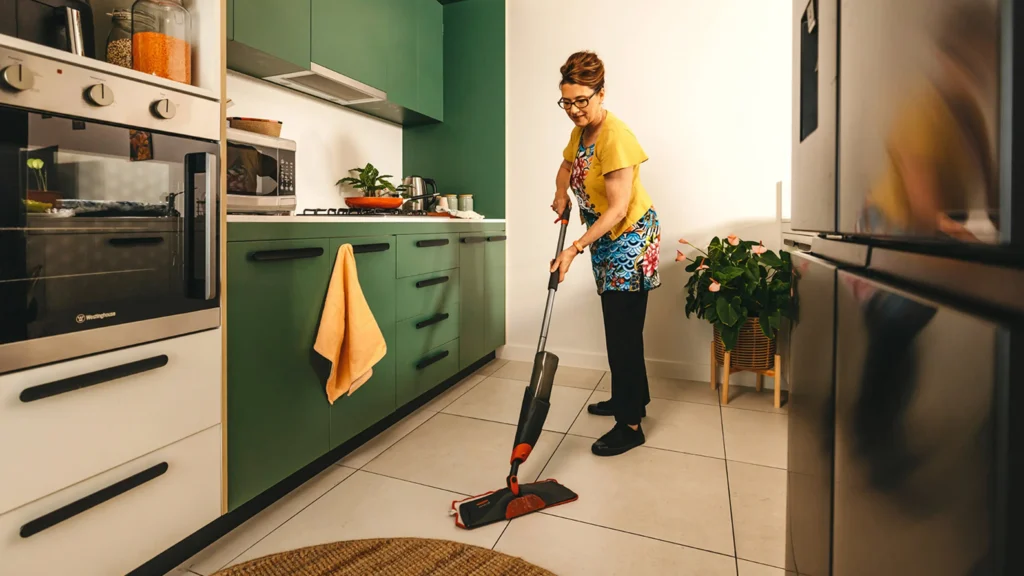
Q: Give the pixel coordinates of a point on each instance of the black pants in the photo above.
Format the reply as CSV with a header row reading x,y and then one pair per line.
x,y
624,315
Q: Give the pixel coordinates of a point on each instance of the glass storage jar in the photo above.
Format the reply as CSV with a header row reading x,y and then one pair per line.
x,y
119,41
161,39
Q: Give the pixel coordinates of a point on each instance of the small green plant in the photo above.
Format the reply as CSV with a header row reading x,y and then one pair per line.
x,y
371,181
37,166
734,280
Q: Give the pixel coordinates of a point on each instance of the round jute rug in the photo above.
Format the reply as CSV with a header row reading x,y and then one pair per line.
x,y
388,557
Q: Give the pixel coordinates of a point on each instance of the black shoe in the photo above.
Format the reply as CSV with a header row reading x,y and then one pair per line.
x,y
604,408
620,439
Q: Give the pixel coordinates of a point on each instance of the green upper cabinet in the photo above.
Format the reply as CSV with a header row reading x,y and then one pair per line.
x,y
403,83
280,29
430,58
351,38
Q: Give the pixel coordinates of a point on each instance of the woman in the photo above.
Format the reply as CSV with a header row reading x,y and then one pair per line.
x,y
601,165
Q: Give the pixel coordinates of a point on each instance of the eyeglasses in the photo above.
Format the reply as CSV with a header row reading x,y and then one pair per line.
x,y
580,103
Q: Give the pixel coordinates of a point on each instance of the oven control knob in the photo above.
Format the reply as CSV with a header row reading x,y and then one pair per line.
x,y
17,77
164,109
100,95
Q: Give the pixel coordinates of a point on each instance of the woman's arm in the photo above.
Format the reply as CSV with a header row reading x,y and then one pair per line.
x,y
617,185
562,187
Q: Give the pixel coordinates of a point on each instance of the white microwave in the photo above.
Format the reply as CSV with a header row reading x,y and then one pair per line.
x,y
261,173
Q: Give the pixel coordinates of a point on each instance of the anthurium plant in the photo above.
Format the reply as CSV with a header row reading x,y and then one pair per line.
x,y
736,279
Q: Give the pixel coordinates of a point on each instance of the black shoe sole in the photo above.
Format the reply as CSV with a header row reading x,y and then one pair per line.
x,y
607,451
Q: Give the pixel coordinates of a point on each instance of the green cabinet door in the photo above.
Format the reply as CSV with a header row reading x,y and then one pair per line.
x,y
402,82
418,373
375,399
278,28
473,342
351,37
430,58
494,290
230,17
278,416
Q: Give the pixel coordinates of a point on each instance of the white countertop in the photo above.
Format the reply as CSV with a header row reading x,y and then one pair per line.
x,y
355,219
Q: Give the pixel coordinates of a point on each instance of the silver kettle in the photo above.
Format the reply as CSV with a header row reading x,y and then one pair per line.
x,y
416,191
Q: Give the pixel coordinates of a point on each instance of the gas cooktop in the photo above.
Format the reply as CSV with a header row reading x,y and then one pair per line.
x,y
359,212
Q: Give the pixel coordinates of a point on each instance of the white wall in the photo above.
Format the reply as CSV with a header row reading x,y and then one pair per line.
x,y
330,139
706,87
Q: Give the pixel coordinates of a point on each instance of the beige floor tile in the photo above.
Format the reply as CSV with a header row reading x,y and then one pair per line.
x,y
671,389
750,399
462,455
491,367
452,394
657,493
585,550
680,426
568,376
367,452
755,437
605,385
515,370
230,546
752,569
759,512
371,506
501,400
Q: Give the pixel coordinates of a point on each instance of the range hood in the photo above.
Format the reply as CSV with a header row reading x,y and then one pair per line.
x,y
329,85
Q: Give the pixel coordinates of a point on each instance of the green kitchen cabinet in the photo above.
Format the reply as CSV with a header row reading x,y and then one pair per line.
x,y
425,253
375,399
473,298
430,58
281,29
494,291
418,373
402,81
428,293
351,38
278,416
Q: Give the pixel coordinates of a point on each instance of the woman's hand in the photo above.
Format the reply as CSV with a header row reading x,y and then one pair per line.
x,y
563,262
561,201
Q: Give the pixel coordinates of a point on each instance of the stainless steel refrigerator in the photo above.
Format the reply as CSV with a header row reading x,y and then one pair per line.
x,y
905,382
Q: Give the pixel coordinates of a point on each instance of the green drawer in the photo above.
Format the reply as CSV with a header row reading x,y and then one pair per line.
x,y
428,293
425,253
419,374
422,333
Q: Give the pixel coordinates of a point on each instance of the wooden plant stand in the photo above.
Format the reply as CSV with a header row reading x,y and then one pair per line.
x,y
753,353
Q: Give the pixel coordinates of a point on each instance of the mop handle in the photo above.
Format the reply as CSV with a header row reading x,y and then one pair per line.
x,y
553,282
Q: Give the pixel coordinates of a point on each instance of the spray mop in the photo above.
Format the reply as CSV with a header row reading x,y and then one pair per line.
x,y
517,499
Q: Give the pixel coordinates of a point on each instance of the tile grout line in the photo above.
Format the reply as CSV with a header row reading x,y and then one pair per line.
x,y
395,443
450,491
728,487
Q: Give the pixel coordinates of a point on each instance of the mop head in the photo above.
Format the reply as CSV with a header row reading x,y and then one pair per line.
x,y
504,505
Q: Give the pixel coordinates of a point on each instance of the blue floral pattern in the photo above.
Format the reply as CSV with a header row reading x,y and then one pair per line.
x,y
628,263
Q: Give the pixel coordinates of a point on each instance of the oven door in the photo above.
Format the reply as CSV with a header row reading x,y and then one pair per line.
x,y
108,237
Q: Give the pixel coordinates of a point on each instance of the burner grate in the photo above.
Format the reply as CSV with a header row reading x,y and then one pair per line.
x,y
359,212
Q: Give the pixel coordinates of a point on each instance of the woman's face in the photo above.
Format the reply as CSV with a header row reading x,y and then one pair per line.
x,y
584,106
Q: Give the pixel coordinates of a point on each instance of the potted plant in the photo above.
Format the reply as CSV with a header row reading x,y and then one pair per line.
x,y
741,288
40,193
370,181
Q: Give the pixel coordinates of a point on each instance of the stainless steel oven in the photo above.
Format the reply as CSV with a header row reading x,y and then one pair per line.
x,y
261,173
109,210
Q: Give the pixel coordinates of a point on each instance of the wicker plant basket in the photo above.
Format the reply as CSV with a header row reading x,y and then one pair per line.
x,y
753,351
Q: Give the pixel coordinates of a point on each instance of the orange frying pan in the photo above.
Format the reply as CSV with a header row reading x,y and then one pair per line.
x,y
364,202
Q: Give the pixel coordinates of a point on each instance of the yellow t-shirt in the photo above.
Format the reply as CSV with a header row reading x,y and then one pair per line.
x,y
616,148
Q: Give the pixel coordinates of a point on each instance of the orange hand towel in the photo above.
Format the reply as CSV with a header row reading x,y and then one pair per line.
x,y
349,336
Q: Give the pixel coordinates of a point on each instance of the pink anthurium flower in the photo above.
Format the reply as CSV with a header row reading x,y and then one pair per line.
x,y
760,249
680,256
703,267
683,241
733,239
715,286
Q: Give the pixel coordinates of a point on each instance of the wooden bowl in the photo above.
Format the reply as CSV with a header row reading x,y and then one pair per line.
x,y
380,203
257,125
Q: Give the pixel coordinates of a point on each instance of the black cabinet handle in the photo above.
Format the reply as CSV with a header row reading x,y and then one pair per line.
x,y
432,282
433,243
139,241
432,320
289,254
474,240
63,513
366,248
73,383
432,360
497,238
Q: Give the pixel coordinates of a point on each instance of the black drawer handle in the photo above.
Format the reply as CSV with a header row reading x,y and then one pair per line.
x,y
432,360
73,383
290,254
433,243
432,320
63,513
497,238
366,248
432,282
141,241
474,240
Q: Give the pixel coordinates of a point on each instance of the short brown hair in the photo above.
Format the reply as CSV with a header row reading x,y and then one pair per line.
x,y
583,69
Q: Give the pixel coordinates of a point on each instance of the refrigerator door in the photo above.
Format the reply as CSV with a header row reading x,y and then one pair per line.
x,y
811,419
815,76
920,116
920,435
